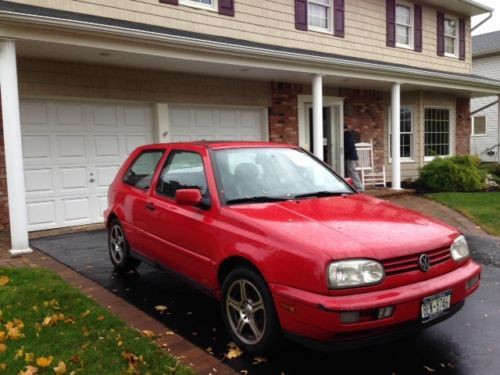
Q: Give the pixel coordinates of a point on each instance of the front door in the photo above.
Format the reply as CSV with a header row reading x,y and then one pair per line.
x,y
332,136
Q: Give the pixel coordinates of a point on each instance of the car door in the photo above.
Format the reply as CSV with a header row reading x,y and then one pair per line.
x,y
137,181
185,234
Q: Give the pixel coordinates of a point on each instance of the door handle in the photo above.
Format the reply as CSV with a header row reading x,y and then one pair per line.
x,y
92,180
150,206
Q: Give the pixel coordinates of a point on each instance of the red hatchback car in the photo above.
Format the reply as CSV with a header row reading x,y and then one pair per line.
x,y
285,244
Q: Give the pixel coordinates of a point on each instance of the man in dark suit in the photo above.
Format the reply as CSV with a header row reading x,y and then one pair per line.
x,y
351,158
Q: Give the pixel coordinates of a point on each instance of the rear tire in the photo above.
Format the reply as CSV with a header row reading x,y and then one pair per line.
x,y
248,312
119,250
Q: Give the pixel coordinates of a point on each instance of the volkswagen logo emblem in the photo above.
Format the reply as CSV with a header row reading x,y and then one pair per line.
x,y
424,262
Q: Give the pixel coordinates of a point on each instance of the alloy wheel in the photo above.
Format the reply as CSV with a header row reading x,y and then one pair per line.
x,y
117,243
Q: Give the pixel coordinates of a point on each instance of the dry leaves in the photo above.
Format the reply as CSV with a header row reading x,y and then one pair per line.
x,y
161,308
30,370
258,360
4,280
148,333
234,351
44,361
60,369
3,347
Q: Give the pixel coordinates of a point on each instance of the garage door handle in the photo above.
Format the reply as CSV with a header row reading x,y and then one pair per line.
x,y
150,206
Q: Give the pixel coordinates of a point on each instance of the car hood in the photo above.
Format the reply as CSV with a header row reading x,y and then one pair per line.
x,y
349,226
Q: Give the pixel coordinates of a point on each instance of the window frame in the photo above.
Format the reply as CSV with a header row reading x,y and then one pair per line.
x,y
456,37
473,125
166,163
411,39
410,159
329,18
195,4
451,132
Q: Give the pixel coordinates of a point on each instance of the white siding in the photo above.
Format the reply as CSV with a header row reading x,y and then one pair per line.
x,y
487,67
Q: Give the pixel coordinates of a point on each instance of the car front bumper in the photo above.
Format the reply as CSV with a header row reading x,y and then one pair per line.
x,y
317,318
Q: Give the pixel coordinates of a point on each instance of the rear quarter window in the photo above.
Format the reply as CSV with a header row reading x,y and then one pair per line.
x,y
142,169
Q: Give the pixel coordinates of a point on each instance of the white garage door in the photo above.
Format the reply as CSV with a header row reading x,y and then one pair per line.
x,y
188,123
72,151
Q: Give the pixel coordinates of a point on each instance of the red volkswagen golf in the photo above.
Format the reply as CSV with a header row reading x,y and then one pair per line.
x,y
286,245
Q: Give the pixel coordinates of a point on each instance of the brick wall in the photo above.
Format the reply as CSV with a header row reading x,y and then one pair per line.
x,y
283,113
463,126
4,204
364,112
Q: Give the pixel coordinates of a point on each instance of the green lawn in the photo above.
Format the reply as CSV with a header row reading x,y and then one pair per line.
x,y
45,323
482,208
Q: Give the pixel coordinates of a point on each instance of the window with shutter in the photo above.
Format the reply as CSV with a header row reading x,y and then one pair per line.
x,y
461,34
225,7
391,22
440,33
451,39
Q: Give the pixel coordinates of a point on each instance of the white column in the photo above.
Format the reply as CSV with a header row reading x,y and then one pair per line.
x,y
13,149
395,118
317,89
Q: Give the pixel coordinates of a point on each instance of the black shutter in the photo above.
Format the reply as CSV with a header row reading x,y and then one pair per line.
x,y
226,7
440,33
301,14
338,17
173,2
391,22
461,46
418,28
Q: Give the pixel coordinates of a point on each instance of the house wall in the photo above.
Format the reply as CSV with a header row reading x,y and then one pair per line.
x,y
283,112
487,67
73,80
273,22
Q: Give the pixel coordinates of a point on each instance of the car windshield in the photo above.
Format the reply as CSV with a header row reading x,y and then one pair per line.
x,y
253,175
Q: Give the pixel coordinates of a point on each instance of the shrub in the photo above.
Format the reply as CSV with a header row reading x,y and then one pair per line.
x,y
495,169
457,173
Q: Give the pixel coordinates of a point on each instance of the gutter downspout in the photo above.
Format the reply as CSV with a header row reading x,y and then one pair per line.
x,y
483,21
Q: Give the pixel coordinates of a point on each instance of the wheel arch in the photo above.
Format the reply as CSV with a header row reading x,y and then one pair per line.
x,y
233,262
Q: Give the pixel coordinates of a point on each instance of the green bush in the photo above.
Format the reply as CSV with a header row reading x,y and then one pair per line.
x,y
495,169
457,173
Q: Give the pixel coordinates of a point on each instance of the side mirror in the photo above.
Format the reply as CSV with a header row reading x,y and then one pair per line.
x,y
350,181
188,197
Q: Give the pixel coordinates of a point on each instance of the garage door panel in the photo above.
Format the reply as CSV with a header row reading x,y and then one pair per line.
x,y
105,175
76,209
71,147
100,204
228,119
250,119
73,179
69,117
42,213
36,148
136,117
134,141
34,115
203,118
39,181
106,146
179,119
103,117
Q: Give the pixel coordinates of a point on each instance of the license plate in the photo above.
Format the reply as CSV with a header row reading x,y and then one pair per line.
x,y
435,305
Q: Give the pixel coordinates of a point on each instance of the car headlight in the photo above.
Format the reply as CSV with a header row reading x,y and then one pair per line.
x,y
352,273
459,249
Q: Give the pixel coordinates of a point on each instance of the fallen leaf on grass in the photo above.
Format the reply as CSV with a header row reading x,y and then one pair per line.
x,y
44,361
148,333
30,370
3,336
161,308
14,333
100,318
3,347
234,351
4,280
3,366
60,369
29,357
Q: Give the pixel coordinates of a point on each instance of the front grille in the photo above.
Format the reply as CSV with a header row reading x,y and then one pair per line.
x,y
409,263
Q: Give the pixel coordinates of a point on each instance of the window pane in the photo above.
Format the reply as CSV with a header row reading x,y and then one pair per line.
x,y
450,27
406,133
479,125
141,172
318,15
184,170
449,45
437,132
403,34
403,15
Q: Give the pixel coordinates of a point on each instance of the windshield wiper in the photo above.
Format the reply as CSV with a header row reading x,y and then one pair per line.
x,y
323,193
259,199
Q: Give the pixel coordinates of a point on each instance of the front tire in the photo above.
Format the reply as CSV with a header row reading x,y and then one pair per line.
x,y
119,250
248,311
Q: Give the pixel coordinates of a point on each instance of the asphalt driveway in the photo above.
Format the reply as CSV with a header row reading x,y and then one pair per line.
x,y
465,344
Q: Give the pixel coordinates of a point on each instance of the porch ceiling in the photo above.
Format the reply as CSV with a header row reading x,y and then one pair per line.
x,y
34,49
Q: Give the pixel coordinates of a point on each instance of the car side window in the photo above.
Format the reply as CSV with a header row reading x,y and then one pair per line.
x,y
183,170
142,169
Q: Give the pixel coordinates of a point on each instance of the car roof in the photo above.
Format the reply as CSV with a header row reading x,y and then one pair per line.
x,y
218,145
